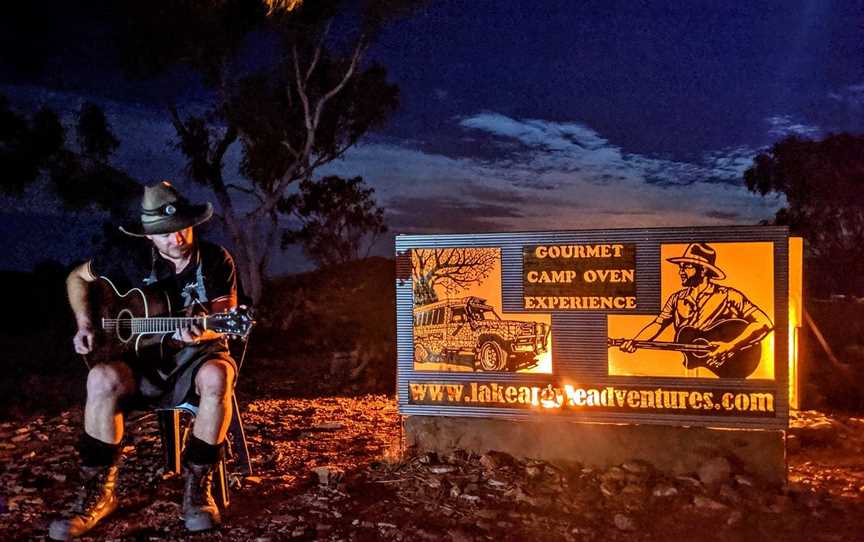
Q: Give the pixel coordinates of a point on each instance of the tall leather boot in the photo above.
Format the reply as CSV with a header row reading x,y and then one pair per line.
x,y
96,500
199,508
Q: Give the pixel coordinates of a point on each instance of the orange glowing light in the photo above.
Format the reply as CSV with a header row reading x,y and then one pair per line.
x,y
796,313
551,397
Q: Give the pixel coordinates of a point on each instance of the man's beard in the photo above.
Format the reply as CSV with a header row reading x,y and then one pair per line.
x,y
695,280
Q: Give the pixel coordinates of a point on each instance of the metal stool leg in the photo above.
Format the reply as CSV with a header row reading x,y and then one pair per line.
x,y
240,448
169,429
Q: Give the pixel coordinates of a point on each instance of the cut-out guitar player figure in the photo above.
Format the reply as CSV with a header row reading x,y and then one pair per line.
x,y
716,326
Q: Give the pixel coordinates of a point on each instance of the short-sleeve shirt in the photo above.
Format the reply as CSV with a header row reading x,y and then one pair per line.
x,y
209,276
715,304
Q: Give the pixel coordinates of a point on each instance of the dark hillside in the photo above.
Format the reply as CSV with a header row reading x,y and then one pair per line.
x,y
40,369
331,329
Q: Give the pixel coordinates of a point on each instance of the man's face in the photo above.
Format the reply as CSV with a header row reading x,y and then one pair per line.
x,y
174,245
691,275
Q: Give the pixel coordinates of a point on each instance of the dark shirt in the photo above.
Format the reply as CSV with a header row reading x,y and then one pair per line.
x,y
209,276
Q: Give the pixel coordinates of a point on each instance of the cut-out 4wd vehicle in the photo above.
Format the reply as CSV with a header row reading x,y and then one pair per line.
x,y
467,331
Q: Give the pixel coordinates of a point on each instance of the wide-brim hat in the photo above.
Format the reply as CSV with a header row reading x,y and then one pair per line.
x,y
703,255
164,210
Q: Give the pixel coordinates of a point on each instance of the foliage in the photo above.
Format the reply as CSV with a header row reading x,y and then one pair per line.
x,y
823,182
36,147
451,269
300,103
338,215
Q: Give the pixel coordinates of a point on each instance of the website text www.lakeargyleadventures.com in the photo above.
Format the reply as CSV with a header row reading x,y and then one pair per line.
x,y
603,398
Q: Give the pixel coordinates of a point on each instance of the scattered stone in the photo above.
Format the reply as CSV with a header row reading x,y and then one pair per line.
x,y
700,501
734,518
441,469
729,494
616,473
328,476
488,462
743,480
624,523
608,488
534,471
330,426
637,467
664,490
689,480
780,504
459,535
714,471
633,489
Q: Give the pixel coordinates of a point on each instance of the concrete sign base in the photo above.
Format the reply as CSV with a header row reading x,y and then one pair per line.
x,y
674,450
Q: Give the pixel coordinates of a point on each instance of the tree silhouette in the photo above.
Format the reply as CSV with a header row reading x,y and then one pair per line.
x,y
36,148
338,215
823,183
303,106
451,269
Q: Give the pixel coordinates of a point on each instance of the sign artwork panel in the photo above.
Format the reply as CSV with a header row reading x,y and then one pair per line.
x,y
459,324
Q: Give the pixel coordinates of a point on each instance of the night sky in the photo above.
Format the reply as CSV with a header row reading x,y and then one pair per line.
x,y
515,115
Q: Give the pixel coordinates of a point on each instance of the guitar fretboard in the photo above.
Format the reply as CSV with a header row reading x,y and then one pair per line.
x,y
141,326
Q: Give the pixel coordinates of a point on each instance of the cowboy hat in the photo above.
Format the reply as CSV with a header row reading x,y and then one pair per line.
x,y
703,255
164,210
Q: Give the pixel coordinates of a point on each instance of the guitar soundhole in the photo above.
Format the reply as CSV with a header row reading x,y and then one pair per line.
x,y
124,326
702,342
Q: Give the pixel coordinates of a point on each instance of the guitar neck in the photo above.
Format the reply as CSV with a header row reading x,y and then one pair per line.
x,y
658,345
149,326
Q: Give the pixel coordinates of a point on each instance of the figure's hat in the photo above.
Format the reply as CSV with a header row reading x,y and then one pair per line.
x,y
164,210
703,255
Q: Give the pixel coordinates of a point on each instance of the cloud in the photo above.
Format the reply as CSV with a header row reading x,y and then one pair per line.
x,y
558,176
784,125
540,175
575,148
852,95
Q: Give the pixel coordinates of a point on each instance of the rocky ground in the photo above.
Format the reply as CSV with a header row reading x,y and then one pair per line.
x,y
333,468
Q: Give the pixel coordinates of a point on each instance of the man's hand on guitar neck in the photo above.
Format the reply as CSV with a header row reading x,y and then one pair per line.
x,y
194,334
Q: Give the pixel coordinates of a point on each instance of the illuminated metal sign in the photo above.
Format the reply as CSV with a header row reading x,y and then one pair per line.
x,y
676,325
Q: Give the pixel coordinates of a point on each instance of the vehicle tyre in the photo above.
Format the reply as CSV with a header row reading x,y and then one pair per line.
x,y
492,356
420,354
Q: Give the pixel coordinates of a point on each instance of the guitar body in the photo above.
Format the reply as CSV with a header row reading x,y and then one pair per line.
x,y
740,364
109,303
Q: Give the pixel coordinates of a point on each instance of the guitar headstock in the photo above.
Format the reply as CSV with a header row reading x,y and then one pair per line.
x,y
236,322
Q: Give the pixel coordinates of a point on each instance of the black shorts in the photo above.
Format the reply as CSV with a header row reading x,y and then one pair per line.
x,y
171,382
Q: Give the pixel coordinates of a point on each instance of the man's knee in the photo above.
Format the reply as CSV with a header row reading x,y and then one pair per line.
x,y
109,380
214,378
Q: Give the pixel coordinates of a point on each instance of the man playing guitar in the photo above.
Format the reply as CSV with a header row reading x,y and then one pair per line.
x,y
702,305
191,364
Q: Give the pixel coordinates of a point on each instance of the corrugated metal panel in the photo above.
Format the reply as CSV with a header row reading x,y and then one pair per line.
x,y
577,353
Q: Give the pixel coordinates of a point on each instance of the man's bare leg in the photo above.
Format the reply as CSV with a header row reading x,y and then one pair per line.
x,y
213,382
107,384
99,449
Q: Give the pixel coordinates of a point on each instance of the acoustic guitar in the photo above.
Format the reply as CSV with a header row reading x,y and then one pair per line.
x,y
695,345
135,321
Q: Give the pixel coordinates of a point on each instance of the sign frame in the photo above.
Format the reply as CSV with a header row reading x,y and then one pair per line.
x,y
569,344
